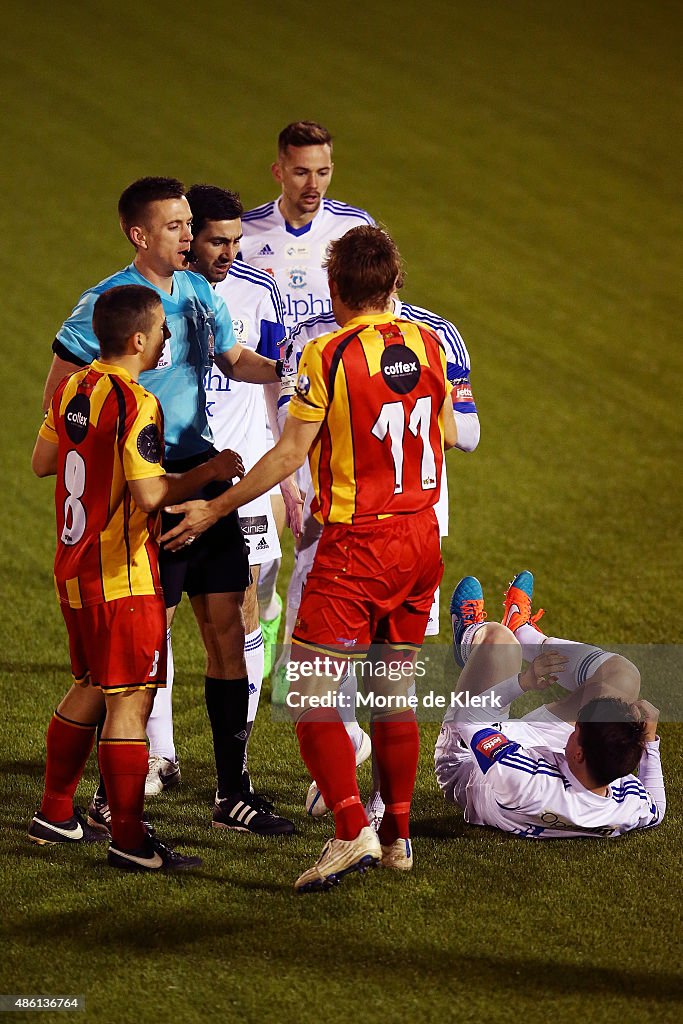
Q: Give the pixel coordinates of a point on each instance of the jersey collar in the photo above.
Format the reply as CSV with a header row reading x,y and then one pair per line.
x,y
112,370
298,232
371,318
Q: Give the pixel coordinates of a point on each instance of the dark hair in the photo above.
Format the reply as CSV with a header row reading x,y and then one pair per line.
x,y
612,738
366,267
137,197
303,133
119,313
209,202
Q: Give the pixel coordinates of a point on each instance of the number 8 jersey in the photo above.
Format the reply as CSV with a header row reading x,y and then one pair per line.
x,y
378,386
108,430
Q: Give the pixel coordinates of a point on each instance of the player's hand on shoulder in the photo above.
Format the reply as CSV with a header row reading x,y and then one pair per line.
x,y
227,465
650,715
543,671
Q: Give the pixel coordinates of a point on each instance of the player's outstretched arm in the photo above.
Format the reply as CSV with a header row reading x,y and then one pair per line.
x,y
241,363
151,493
280,462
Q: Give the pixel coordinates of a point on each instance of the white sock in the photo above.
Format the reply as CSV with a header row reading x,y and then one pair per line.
x,y
530,641
583,660
265,590
253,655
160,722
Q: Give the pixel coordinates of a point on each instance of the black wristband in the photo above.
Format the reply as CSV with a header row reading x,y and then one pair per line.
x,y
279,368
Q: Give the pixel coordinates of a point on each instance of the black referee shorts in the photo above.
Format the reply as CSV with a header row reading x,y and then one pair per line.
x,y
218,560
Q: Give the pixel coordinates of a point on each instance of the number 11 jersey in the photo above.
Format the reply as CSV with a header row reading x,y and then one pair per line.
x,y
378,386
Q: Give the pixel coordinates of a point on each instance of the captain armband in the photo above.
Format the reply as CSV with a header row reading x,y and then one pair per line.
x,y
462,391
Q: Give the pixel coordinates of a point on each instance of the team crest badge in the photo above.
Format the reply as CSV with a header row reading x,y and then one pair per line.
x,y
297,277
303,385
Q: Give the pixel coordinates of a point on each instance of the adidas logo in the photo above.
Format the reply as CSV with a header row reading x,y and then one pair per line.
x,y
265,251
262,545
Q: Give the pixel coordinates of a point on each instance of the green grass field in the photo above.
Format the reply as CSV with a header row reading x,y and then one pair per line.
x,y
526,157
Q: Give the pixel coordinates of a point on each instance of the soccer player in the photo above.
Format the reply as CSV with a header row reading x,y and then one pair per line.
x,y
374,413
288,238
566,769
467,422
103,438
156,218
236,410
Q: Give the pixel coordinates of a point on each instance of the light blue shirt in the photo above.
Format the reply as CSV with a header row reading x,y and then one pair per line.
x,y
199,322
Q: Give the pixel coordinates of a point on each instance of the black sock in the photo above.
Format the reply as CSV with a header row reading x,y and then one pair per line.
x,y
227,704
101,788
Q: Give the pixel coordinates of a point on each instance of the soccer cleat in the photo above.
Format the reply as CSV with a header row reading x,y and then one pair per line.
x,y
162,773
340,857
269,631
467,609
73,830
99,816
398,855
250,812
153,855
517,603
279,685
315,804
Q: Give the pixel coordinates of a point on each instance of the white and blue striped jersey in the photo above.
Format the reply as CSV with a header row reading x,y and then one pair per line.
x,y
236,409
457,356
519,781
294,256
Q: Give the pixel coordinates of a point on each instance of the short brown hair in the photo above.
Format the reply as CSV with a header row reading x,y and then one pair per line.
x,y
119,313
303,133
137,197
612,738
366,267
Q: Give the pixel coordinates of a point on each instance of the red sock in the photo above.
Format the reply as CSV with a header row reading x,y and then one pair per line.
x,y
68,748
123,764
395,750
329,756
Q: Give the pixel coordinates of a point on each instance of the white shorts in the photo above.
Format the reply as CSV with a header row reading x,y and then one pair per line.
x,y
258,527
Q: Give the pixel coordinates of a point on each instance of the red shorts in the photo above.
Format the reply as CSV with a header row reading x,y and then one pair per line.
x,y
119,645
374,582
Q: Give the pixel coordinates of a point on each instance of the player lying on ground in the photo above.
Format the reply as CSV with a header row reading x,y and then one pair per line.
x,y
103,438
566,769
373,412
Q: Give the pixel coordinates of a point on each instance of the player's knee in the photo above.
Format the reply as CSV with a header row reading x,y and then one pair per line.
x,y
626,677
494,633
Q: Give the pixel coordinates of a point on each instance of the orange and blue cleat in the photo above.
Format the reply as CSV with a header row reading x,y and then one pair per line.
x,y
467,609
517,602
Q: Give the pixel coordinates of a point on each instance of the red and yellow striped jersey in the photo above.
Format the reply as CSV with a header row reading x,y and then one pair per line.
x,y
108,430
378,386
